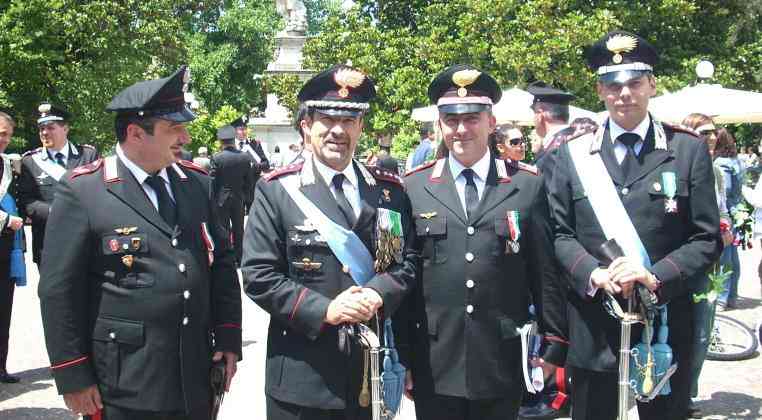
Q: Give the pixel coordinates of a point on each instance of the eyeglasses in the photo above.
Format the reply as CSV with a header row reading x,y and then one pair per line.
x,y
516,142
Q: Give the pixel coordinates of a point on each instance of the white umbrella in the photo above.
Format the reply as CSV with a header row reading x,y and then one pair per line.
x,y
514,107
725,106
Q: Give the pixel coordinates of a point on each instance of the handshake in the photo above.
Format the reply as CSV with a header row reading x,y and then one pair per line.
x,y
356,304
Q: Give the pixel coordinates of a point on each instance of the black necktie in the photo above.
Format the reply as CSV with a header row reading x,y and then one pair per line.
x,y
341,199
166,205
472,196
630,161
240,145
59,159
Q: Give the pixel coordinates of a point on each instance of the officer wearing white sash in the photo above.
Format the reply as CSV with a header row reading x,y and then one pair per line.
x,y
325,247
650,186
259,161
42,168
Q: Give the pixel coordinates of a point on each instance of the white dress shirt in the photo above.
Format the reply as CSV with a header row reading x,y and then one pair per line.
x,y
350,185
620,150
64,151
141,176
481,170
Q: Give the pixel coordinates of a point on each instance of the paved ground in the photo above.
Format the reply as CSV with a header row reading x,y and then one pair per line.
x,y
729,390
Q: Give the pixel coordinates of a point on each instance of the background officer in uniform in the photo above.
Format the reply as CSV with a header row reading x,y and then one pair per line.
x,y
483,233
145,293
291,272
254,148
663,176
231,169
41,169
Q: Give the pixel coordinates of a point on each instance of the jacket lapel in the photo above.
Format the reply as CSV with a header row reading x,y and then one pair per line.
x,y
75,156
182,189
444,191
609,159
649,159
131,193
494,193
319,193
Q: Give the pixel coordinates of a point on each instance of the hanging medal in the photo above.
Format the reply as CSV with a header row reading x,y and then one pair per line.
x,y
669,182
512,244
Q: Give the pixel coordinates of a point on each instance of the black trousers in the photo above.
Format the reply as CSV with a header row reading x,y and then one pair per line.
x,y
596,396
6,306
231,215
279,410
445,407
112,412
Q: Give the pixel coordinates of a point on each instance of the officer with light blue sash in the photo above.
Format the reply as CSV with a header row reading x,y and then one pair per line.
x,y
325,248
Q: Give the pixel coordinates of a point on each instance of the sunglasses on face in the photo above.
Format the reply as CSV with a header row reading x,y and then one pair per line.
x,y
516,142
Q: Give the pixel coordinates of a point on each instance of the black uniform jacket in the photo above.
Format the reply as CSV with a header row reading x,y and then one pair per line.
x,y
304,365
129,302
231,169
557,322
36,188
679,244
462,337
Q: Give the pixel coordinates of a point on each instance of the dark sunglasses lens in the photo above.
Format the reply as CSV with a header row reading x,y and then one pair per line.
x,y
516,142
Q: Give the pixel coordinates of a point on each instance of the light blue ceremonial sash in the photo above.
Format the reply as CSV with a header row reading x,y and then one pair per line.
x,y
616,223
346,246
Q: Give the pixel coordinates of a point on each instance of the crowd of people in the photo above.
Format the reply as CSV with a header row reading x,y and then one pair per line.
x,y
138,253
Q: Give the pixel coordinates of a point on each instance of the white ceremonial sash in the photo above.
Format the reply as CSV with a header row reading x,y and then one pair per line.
x,y
603,198
49,166
250,150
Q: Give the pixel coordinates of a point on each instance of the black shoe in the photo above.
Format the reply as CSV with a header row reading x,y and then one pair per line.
x,y
7,378
538,411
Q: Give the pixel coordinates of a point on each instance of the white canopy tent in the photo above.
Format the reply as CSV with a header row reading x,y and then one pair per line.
x,y
725,106
514,107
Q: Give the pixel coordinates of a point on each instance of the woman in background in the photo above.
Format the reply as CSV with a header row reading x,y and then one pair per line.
x,y
508,142
704,309
726,159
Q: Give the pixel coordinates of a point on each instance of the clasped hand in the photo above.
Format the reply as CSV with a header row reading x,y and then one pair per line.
x,y
621,276
356,304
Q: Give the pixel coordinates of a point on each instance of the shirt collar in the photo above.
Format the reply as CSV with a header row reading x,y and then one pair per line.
x,y
641,130
480,168
64,151
328,173
138,172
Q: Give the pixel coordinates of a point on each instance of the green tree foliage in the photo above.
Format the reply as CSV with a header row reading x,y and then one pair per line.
x,y
403,44
81,53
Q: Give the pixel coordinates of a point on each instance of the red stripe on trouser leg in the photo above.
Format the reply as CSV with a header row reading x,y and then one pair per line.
x,y
561,396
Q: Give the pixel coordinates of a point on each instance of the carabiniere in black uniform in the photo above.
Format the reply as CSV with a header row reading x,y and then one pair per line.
x,y
129,302
233,185
290,271
481,269
677,222
37,182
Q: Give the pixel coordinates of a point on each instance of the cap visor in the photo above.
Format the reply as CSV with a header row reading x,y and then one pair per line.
x,y
340,112
622,76
183,115
462,108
